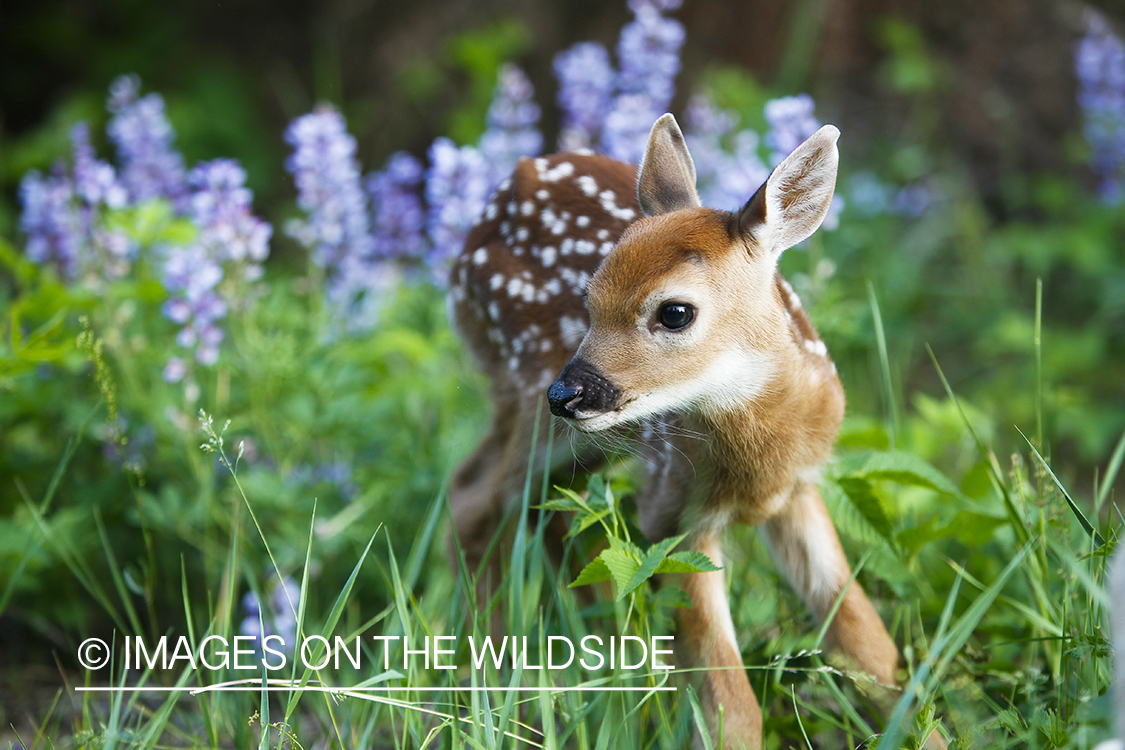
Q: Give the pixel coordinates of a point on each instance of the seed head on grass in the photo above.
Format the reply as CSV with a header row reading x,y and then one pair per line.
x,y
214,442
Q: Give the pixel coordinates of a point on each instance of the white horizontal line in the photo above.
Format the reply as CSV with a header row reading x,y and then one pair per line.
x,y
318,689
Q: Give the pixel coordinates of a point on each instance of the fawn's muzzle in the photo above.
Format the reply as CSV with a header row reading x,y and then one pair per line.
x,y
580,387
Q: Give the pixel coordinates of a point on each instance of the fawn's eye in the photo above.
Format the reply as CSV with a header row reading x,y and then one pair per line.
x,y
676,315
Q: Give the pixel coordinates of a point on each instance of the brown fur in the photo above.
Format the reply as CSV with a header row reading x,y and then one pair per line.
x,y
748,450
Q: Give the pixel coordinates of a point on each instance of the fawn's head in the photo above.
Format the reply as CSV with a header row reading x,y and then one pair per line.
x,y
684,312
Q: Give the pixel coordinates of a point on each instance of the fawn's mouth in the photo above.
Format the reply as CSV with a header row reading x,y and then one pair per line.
x,y
599,420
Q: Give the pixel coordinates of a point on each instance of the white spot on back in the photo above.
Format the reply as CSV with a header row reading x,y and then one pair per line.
x,y
561,170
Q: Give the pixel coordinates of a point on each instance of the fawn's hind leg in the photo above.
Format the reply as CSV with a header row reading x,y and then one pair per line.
x,y
806,548
480,490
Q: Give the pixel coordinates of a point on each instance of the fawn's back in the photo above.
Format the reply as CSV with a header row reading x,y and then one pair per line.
x,y
518,288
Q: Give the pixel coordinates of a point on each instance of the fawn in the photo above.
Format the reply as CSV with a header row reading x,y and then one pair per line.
x,y
629,304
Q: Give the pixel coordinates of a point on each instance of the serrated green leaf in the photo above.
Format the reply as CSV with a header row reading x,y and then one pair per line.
x,y
596,572
626,546
622,565
688,561
862,496
899,467
655,555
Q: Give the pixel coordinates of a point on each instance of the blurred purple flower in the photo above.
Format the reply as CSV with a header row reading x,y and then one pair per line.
x,y
511,130
324,168
727,165
191,277
1099,62
616,108
457,187
791,121
50,222
151,168
220,207
175,370
627,126
648,53
106,253
586,81
398,217
95,181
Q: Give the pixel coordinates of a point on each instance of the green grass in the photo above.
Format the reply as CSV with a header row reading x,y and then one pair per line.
x,y
985,551
995,596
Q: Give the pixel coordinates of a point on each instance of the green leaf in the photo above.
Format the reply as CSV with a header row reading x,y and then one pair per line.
x,y
622,565
655,555
688,561
596,572
862,495
586,514
899,467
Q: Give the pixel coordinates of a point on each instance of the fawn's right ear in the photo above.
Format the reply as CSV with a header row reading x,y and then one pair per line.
x,y
794,200
666,181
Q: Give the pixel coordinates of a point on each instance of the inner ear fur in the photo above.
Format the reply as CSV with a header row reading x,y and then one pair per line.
x,y
666,181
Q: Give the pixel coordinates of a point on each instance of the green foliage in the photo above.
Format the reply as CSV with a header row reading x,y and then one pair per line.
x,y
983,550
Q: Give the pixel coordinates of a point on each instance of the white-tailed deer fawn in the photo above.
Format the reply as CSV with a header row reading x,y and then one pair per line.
x,y
646,309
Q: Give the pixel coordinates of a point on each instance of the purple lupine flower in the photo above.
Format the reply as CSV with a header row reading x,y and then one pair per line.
x,y
586,81
151,168
398,218
742,174
791,121
1099,62
174,370
106,252
53,229
95,181
511,130
325,170
191,277
726,179
220,207
627,127
457,187
648,54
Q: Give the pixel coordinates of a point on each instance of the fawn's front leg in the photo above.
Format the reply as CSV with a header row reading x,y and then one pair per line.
x,y
710,639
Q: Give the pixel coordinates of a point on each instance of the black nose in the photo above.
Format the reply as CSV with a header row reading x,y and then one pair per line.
x,y
564,399
580,385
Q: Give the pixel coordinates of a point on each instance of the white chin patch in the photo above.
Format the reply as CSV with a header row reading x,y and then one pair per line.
x,y
597,422
733,379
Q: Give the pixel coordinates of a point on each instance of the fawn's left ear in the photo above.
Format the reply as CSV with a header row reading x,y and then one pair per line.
x,y
666,181
794,200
